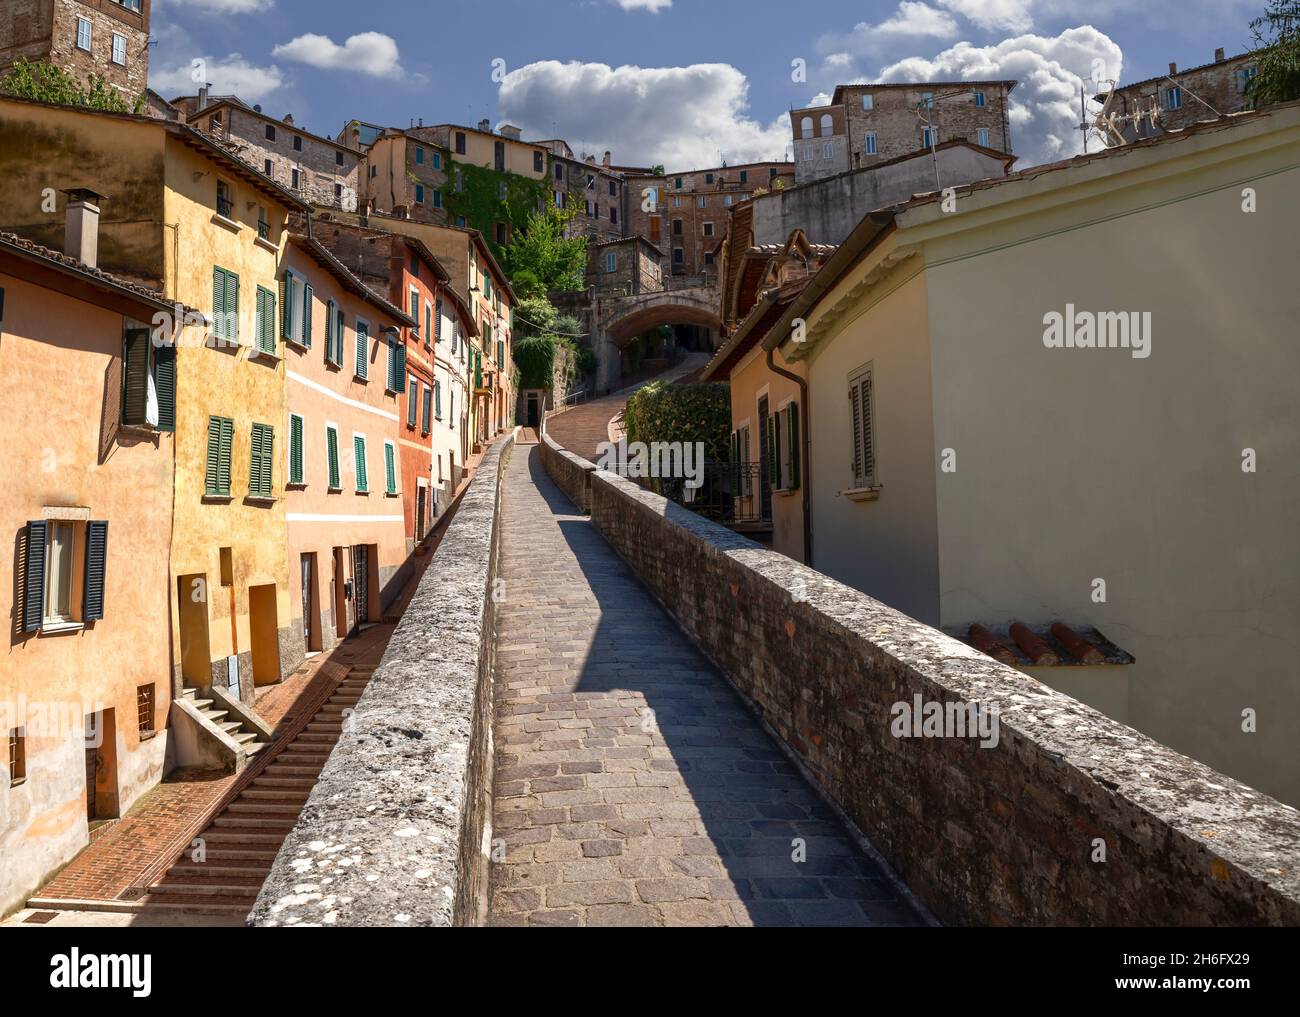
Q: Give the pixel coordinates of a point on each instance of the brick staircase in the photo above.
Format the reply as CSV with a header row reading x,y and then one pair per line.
x,y
243,838
246,735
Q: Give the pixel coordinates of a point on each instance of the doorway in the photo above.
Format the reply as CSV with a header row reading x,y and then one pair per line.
x,y
264,631
534,415
339,586
192,615
764,475
100,735
421,507
361,581
311,637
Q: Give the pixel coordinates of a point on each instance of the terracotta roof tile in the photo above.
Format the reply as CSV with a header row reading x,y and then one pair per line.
x,y
1058,645
58,259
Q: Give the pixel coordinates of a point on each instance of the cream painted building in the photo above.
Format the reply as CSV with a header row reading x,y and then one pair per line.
x,y
969,467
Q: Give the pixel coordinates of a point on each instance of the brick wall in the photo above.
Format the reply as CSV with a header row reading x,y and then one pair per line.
x,y
406,793
107,19
1218,84
1003,835
893,118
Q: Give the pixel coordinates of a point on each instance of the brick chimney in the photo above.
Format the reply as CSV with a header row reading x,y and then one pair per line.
x,y
81,228
485,126
605,161
1173,67
1218,55
288,119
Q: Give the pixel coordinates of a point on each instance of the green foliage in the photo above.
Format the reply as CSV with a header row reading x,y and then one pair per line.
x,y
1277,51
541,259
479,200
543,332
44,82
534,314
535,355
686,413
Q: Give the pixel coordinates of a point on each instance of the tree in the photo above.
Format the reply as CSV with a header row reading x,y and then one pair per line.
x,y
1277,53
541,259
46,83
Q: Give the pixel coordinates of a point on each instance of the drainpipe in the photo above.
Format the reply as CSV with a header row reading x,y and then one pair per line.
x,y
804,442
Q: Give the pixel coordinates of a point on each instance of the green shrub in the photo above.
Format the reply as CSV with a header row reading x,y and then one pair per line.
x,y
685,413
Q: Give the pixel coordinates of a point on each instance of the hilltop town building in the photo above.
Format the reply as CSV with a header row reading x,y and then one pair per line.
x,y
108,38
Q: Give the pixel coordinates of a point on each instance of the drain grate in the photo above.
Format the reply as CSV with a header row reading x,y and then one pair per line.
x,y
41,917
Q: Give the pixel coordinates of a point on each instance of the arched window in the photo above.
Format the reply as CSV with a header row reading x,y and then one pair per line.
x,y
806,127
828,125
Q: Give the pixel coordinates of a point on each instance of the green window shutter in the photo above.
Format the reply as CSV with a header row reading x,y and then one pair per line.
x,y
286,303
135,376
340,328
306,316
295,449
34,575
232,307
392,366
165,380
363,350
773,471
218,302
329,331
212,474
437,403
735,461
227,436
401,365
415,308
261,460
412,402
259,319
266,486
501,353
255,461
426,425
359,454
428,325
437,320
792,436
332,454
92,599
390,468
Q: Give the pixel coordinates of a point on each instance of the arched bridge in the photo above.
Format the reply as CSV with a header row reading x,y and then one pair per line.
x,y
625,318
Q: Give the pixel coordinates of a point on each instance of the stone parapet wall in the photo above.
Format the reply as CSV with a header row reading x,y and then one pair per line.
x,y
571,473
1010,834
398,821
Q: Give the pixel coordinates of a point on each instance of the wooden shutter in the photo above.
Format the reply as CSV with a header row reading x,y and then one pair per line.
x,y
295,449
792,441
212,474
92,601
261,460
735,462
864,453
34,575
362,349
329,331
286,302
437,320
401,365
412,402
135,376
266,477
332,454
392,366
390,468
306,315
164,370
218,303
259,319
427,424
232,307
359,455
773,459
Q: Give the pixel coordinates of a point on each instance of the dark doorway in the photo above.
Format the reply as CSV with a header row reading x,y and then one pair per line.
x,y
534,418
361,581
765,482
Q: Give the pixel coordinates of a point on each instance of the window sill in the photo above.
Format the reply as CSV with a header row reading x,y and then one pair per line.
x,y
333,490
229,224
260,499
862,493
61,628
217,499
255,354
260,242
363,494
361,378
392,494
785,492
297,344
141,430
19,782
146,736
300,485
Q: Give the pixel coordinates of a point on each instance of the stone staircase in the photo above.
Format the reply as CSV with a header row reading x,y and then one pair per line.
x,y
244,734
244,837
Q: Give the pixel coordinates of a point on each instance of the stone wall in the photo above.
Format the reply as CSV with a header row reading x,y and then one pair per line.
x,y
571,473
399,820
1011,834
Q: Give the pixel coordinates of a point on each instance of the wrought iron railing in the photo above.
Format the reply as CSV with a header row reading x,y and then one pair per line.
x,y
728,493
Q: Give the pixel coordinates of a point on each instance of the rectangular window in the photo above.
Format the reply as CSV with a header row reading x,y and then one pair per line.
x,y
17,756
611,261
428,323
434,398
980,100
460,142
362,351
119,49
419,194
297,142
700,201
679,256
296,471
437,321
744,176
144,701
390,468
359,463
266,168
332,456
270,132
216,478
419,156
293,183
412,403
261,450
862,421
61,543
982,137
677,183
1173,98
868,102
225,202
396,381
437,199
83,33
613,214
539,164
148,382
869,142
338,158
708,229
437,160
677,227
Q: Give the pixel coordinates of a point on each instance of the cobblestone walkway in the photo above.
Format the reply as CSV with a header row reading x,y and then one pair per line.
x,y
632,786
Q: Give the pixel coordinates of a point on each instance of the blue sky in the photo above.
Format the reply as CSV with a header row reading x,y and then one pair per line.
x,y
682,82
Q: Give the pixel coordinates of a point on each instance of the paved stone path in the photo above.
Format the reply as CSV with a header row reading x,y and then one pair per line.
x,y
632,786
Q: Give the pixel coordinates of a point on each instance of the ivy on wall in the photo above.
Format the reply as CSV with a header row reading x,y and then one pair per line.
x,y
479,199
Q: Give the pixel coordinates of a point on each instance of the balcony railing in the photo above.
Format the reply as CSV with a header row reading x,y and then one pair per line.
x,y
730,493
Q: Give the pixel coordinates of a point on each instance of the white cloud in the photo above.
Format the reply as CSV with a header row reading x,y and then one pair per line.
x,y
598,107
231,74
370,53
914,18
911,20
653,6
1044,108
1010,15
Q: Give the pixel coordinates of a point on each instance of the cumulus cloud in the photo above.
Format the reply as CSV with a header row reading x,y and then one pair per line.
x,y
226,75
653,6
622,109
1044,108
370,53
912,20
1011,15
